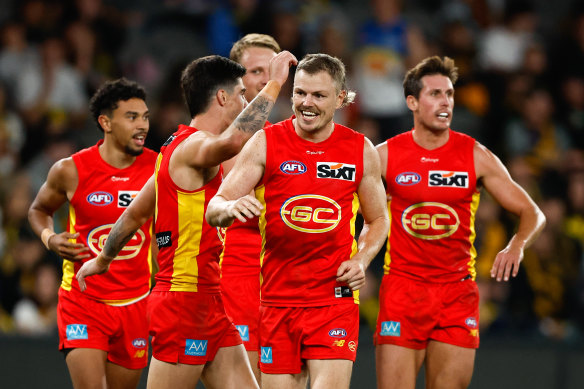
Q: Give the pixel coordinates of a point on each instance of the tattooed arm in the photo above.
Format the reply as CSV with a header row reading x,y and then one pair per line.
x,y
140,210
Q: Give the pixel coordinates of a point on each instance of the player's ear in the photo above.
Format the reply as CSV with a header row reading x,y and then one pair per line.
x,y
412,102
221,97
105,123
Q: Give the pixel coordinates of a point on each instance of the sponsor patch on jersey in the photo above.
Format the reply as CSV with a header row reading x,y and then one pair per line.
x,y
447,179
336,171
471,322
77,331
100,198
408,178
243,332
337,333
311,213
163,239
125,197
266,356
430,221
390,328
139,343
343,291
293,167
169,140
197,348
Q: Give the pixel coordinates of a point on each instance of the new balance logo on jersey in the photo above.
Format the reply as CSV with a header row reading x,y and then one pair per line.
x,y
266,355
77,331
125,197
442,178
390,328
243,332
196,348
334,170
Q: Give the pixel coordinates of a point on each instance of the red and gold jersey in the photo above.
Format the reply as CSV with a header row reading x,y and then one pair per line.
x,y
434,199
189,247
309,193
242,246
102,194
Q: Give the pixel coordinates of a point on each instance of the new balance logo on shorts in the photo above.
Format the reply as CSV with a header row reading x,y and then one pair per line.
x,y
197,348
390,328
77,331
266,355
243,332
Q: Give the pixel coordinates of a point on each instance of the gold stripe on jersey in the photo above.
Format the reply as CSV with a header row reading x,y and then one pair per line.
x,y
355,247
387,258
474,205
260,194
191,213
156,168
69,266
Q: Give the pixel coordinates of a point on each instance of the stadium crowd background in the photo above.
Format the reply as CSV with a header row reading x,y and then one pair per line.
x,y
521,93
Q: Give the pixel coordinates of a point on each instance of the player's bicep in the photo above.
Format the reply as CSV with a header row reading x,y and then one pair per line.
x,y
142,207
248,169
371,191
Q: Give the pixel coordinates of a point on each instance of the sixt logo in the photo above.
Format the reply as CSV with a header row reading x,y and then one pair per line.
x,y
430,221
338,333
337,171
311,213
100,198
196,348
442,178
139,343
77,331
293,167
243,332
125,197
97,237
390,328
266,355
408,178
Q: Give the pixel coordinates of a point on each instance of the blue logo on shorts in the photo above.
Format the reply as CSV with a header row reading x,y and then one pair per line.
x,y
196,348
390,328
243,332
266,355
77,331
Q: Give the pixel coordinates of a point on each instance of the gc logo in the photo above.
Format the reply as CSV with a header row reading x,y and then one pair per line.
x,y
313,214
430,221
97,237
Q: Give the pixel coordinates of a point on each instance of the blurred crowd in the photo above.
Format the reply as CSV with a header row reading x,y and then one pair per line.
x,y
520,92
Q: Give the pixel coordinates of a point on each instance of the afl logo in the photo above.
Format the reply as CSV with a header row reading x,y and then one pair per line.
x,y
430,221
408,178
97,237
313,214
100,198
139,343
293,167
337,333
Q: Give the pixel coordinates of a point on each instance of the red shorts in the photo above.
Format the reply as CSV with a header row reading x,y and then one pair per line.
x,y
121,331
189,327
412,312
289,335
241,296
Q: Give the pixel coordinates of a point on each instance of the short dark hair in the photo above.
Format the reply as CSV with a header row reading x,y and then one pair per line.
x,y
105,100
428,66
202,78
315,63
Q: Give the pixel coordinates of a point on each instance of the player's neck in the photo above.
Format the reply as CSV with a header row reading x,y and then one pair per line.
x,y
209,122
430,139
114,156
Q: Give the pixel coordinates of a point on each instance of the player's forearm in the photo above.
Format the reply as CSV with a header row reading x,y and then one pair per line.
x,y
254,116
371,239
120,235
217,214
531,223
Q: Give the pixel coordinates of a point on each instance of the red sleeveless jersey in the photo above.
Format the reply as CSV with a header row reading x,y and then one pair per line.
x,y
433,203
309,193
242,246
102,195
189,247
